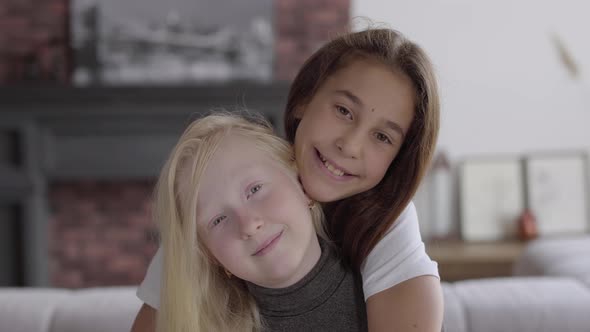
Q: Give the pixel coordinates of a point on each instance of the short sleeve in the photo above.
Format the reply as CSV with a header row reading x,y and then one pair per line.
x,y
399,256
149,289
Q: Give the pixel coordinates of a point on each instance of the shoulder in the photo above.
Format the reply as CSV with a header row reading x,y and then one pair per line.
x,y
403,234
149,289
403,231
400,255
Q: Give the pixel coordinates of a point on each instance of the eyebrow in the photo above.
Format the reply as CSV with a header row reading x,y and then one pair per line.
x,y
350,96
356,100
395,127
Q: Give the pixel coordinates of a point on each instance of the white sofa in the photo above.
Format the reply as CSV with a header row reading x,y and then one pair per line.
x,y
550,294
550,291
105,309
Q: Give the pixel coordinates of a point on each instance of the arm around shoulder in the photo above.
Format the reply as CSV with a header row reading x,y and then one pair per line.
x,y
414,305
145,321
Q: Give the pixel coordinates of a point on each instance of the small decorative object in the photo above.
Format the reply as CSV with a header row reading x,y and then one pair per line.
x,y
557,192
492,198
565,56
527,226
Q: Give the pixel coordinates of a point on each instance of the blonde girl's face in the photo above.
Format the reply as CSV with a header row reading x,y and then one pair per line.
x,y
352,129
254,218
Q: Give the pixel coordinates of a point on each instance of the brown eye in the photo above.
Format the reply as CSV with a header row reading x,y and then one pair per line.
x,y
383,138
344,111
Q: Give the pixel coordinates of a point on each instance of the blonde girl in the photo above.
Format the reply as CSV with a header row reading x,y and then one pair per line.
x,y
239,241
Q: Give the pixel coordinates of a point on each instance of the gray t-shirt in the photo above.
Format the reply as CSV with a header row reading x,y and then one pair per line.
x,y
328,298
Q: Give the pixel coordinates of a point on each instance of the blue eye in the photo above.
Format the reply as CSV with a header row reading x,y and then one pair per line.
x,y
383,138
254,190
218,220
344,111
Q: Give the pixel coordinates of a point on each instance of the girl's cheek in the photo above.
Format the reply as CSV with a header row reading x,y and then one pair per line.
x,y
276,201
272,201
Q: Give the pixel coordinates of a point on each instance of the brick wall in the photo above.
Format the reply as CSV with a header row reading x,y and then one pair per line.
x,y
33,41
101,233
302,26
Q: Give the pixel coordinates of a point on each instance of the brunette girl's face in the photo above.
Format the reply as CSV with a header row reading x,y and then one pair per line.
x,y
352,129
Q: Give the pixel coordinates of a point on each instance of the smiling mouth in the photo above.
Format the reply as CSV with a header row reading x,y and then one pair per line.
x,y
333,169
267,245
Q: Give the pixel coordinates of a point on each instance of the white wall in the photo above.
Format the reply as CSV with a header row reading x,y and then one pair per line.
x,y
504,87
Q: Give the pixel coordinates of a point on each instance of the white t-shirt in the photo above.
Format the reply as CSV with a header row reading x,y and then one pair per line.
x,y
398,257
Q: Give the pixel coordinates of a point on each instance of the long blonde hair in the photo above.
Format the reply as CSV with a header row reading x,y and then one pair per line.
x,y
196,295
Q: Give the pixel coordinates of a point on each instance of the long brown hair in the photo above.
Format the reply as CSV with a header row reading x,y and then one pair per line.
x,y
358,222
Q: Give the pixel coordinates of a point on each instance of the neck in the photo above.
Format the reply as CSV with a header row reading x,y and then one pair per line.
x,y
309,291
312,256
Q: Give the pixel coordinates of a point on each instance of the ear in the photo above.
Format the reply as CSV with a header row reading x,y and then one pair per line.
x,y
310,201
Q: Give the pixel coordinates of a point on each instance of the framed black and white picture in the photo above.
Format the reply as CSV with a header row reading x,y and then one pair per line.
x,y
557,192
491,198
118,42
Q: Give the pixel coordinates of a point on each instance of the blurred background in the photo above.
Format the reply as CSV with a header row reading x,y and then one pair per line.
x,y
94,93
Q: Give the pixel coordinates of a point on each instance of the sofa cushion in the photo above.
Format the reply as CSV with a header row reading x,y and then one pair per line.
x,y
106,309
29,309
522,304
564,256
454,315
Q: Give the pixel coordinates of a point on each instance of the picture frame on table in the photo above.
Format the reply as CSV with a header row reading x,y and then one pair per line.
x,y
491,198
557,192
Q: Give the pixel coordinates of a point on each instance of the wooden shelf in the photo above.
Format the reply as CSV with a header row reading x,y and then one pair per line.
x,y
472,260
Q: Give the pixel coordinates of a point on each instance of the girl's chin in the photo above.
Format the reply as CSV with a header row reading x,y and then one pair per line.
x,y
323,194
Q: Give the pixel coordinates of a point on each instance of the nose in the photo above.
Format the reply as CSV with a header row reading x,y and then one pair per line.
x,y
350,144
248,223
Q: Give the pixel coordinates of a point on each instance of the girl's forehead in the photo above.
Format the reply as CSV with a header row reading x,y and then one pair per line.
x,y
240,147
237,153
236,164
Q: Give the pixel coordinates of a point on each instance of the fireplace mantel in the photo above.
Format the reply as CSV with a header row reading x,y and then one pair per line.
x,y
56,133
113,132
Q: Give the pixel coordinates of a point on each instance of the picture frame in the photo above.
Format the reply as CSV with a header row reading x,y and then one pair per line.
x,y
557,192
184,42
491,198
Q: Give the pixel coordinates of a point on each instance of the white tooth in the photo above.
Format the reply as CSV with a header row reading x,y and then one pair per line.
x,y
333,169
